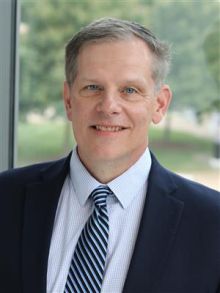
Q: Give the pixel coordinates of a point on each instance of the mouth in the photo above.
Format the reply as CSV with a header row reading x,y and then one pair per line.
x,y
108,128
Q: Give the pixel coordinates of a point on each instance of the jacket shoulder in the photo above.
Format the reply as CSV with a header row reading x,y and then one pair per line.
x,y
195,196
27,174
195,190
201,201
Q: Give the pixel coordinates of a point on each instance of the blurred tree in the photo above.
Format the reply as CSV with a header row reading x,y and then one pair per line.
x,y
49,24
185,25
212,52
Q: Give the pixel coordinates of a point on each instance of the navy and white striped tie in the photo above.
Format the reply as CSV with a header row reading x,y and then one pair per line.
x,y
88,262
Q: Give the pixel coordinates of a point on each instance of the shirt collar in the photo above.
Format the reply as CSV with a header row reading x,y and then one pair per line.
x,y
125,187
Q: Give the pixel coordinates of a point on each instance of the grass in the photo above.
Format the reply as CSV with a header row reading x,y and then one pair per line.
x,y
42,142
181,152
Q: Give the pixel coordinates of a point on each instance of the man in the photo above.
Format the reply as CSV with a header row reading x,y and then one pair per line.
x,y
109,217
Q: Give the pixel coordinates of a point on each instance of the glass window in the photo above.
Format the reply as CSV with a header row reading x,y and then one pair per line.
x,y
188,139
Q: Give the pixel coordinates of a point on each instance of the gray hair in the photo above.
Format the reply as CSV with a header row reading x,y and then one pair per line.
x,y
111,29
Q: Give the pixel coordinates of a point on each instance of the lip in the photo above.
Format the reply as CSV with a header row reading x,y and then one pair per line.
x,y
109,129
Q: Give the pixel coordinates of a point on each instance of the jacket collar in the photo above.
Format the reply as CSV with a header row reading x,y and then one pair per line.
x,y
39,212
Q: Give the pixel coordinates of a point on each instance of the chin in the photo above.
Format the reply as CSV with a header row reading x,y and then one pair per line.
x,y
106,154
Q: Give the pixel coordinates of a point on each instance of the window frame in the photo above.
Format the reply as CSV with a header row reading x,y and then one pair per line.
x,y
9,24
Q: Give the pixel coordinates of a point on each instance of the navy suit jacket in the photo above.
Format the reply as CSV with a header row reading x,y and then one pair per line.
x,y
177,248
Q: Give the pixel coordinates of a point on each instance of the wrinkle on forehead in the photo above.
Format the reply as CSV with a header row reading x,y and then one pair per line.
x,y
119,56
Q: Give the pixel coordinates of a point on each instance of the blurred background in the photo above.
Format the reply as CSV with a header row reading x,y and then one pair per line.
x,y
187,142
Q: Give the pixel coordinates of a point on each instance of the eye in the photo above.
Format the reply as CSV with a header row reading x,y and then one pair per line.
x,y
130,93
92,87
91,90
129,90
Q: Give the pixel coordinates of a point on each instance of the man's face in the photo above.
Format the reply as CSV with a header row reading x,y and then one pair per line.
x,y
113,101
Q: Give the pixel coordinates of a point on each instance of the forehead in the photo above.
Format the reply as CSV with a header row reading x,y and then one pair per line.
x,y
128,54
125,43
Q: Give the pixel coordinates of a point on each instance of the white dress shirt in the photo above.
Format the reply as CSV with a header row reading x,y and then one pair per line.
x,y
74,208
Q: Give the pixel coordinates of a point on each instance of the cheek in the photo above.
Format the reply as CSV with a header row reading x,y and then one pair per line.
x,y
77,109
80,114
142,116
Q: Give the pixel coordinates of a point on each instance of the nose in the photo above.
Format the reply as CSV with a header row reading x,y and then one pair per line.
x,y
109,103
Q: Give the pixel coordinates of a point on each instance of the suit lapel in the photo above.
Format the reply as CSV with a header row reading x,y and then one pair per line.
x,y
159,224
39,213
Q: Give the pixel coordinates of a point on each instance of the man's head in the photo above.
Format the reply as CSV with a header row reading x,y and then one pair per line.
x,y
110,29
113,92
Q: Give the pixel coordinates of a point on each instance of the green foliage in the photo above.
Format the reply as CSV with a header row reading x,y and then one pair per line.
x,y
212,52
50,24
185,25
192,28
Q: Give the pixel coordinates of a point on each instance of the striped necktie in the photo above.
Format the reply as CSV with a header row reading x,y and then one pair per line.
x,y
88,262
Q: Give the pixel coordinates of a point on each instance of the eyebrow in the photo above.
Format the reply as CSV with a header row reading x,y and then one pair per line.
x,y
135,80
90,80
128,80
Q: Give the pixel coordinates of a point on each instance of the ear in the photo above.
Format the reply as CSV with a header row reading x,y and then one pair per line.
x,y
67,100
162,102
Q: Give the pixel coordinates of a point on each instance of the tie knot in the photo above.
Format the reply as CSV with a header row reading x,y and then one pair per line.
x,y
99,195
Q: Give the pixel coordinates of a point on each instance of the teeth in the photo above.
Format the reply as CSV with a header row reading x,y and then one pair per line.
x,y
108,128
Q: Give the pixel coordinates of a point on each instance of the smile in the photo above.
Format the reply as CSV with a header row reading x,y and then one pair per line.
x,y
108,128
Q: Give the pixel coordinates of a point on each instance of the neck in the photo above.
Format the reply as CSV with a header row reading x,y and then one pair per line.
x,y
106,171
